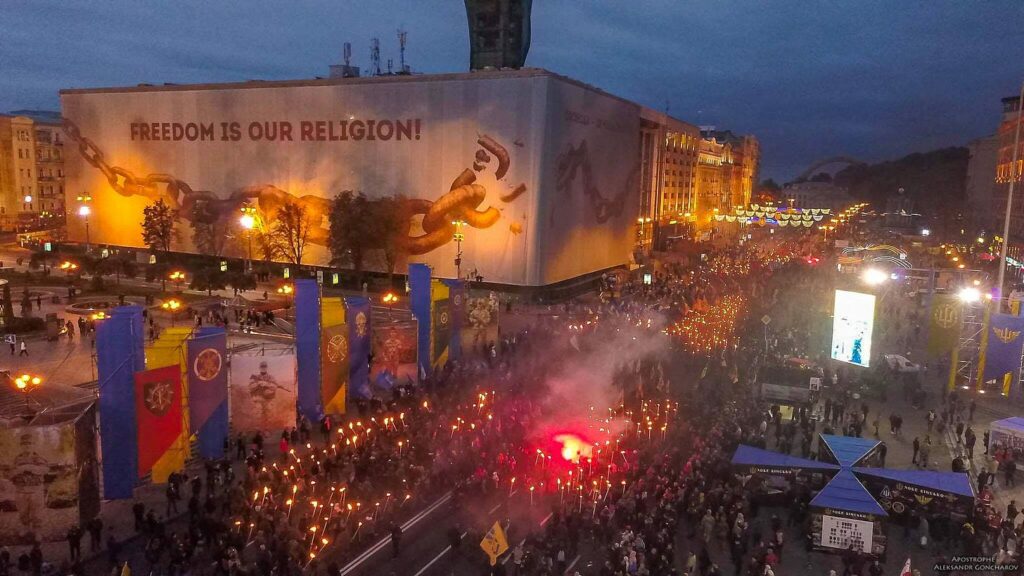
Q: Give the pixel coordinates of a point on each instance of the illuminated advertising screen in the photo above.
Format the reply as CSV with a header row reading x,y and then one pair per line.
x,y
852,323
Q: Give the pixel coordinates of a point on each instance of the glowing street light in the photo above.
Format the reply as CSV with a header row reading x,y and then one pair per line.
x,y
178,277
969,294
172,306
390,299
874,276
84,211
68,267
25,384
248,221
458,236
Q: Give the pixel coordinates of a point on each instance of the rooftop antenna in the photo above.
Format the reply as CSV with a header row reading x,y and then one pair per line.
x,y
375,56
346,53
403,37
390,62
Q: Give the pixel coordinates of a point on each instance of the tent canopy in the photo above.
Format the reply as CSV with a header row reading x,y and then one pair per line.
x,y
848,450
845,492
952,482
750,456
1015,424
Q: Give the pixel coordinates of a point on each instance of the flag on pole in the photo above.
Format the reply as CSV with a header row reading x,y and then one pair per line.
x,y
906,569
158,411
125,570
494,543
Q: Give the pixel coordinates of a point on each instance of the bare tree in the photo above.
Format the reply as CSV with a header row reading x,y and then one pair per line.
x,y
290,231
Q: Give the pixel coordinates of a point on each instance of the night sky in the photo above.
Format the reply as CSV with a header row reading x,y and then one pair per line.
x,y
865,78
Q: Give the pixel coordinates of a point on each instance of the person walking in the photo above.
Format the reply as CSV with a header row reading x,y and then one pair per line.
x,y
24,349
11,342
396,540
1009,468
917,448
74,538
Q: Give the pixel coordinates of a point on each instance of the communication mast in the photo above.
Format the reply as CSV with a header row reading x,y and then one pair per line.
x,y
403,38
375,56
346,53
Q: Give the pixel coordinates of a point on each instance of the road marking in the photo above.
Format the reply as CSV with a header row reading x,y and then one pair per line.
x,y
438,557
355,563
574,561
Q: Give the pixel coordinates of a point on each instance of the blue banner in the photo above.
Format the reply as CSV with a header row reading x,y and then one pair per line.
x,y
307,348
208,389
419,304
119,355
457,298
1005,345
357,311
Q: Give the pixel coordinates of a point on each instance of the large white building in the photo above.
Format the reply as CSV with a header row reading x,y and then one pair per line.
x,y
543,170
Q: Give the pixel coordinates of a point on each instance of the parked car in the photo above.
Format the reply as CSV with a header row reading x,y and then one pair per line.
x,y
901,364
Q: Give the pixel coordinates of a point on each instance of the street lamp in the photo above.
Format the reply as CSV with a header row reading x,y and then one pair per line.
x,y
178,277
390,300
68,267
874,277
172,307
84,211
969,294
26,383
458,236
248,221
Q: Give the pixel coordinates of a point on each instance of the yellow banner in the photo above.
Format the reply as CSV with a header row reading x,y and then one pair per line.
x,y
169,350
494,543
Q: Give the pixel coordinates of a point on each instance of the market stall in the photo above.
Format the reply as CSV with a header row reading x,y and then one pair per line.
x,y
845,516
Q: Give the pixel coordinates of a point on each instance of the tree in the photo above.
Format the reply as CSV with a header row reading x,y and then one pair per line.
x,y
123,264
391,229
240,281
352,230
208,278
770,186
209,232
290,231
158,226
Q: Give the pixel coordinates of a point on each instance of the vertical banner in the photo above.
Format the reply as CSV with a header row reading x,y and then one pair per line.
x,y
983,347
87,464
480,325
419,305
1004,347
458,296
334,356
38,483
944,324
119,355
394,355
171,349
159,412
307,348
359,335
263,392
208,389
441,328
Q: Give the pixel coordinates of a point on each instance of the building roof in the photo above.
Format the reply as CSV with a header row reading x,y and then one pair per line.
x,y
38,116
951,482
848,450
393,78
845,492
750,456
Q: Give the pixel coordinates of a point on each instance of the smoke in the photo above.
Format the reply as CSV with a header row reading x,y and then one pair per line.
x,y
583,390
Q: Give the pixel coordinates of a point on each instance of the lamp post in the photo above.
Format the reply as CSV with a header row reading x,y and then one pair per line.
x,y
248,221
172,307
84,211
26,383
458,236
178,277
390,300
287,291
68,267
1014,175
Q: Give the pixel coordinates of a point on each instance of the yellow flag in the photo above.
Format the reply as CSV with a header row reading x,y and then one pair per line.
x,y
126,571
494,543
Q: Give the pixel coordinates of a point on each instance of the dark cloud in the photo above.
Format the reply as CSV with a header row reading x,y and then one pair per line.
x,y
873,79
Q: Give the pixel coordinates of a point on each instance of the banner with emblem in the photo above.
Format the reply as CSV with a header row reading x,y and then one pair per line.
x,y
480,324
208,389
458,294
441,324
357,310
263,391
394,354
158,410
944,324
1005,346
334,356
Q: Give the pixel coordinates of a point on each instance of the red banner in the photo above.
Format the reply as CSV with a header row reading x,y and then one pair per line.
x,y
158,411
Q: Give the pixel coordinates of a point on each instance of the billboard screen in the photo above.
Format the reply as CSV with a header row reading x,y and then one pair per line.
x,y
852,324
539,170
